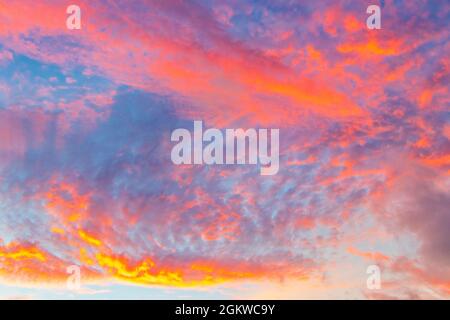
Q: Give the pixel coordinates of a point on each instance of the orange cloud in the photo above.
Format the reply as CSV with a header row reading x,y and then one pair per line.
x,y
371,256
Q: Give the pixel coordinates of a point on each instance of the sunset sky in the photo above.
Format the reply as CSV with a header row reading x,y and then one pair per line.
x,y
86,176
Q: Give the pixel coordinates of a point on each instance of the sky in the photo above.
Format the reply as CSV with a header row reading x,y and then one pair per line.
x,y
86,177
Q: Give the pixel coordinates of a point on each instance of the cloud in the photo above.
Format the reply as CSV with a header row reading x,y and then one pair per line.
x,y
85,170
